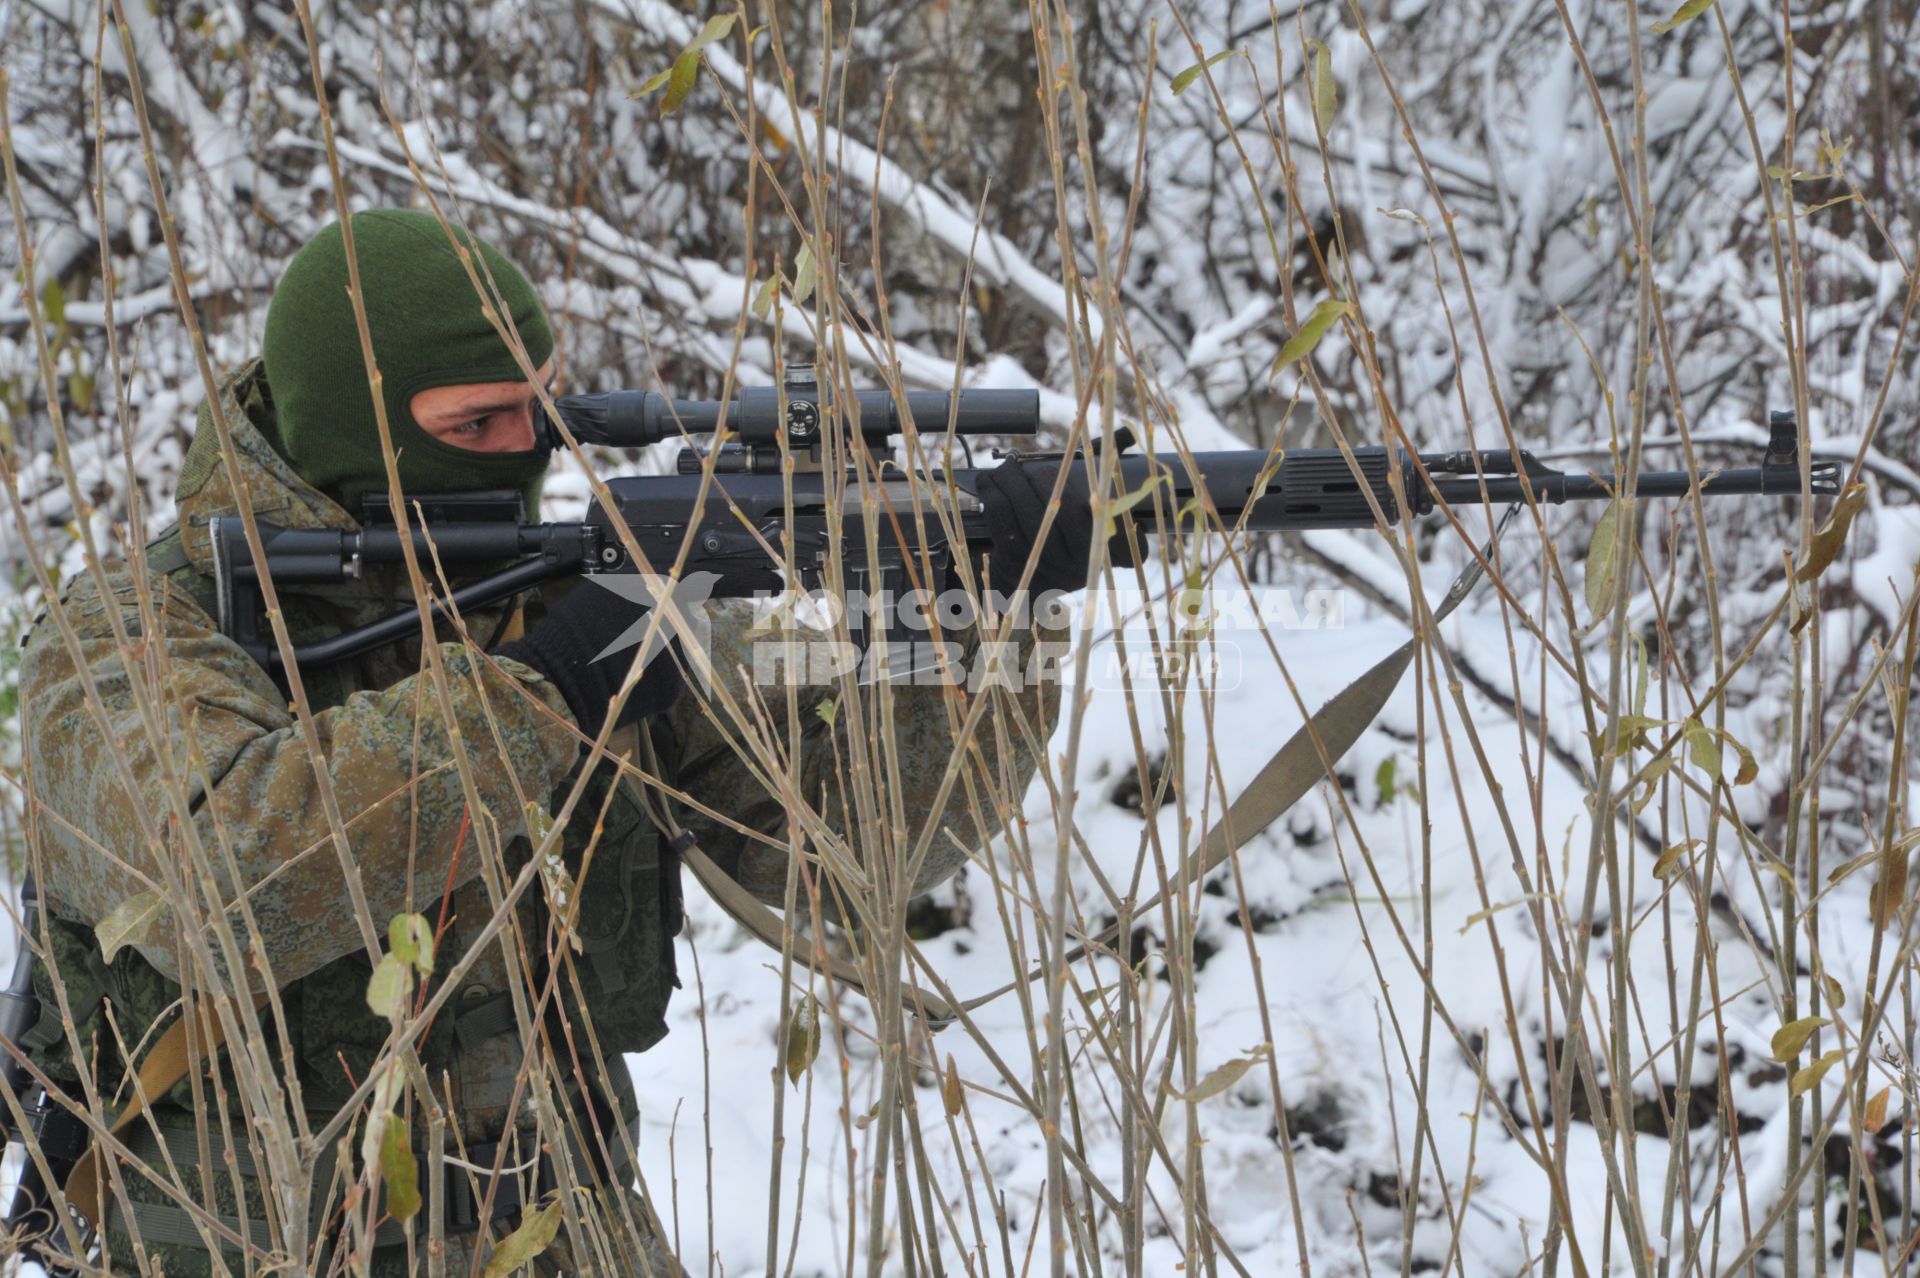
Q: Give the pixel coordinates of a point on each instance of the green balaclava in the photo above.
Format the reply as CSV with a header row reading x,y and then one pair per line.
x,y
428,330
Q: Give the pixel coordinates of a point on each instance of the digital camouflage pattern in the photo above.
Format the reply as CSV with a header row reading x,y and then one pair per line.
x,y
250,782
231,734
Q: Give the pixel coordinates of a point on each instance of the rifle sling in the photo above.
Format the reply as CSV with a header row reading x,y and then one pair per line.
x,y
165,1064
1306,757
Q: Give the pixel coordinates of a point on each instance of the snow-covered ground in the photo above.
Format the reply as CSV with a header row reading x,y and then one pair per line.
x,y
1325,942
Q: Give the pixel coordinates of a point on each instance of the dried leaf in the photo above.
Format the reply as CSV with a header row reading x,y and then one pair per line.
x,y
399,1169
1891,889
1221,1077
389,986
1602,568
519,1248
1804,1079
539,824
1301,344
1656,769
1184,81
1749,766
129,923
1832,535
680,80
1836,994
951,1094
1684,14
803,1039
1790,1038
1638,646
1876,1116
805,272
1845,868
1670,864
1326,102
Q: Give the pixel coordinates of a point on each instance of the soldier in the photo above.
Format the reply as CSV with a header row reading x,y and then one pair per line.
x,y
523,694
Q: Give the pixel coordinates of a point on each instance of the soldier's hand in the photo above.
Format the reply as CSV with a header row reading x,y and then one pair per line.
x,y
1014,496
578,648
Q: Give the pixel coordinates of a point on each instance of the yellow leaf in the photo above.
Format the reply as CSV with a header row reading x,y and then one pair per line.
x,y
129,923
389,986
80,388
1876,1117
1685,13
1673,862
1325,96
1656,769
1639,649
680,80
519,1248
1221,1077
1804,1079
1791,1037
410,937
1749,767
1127,501
1891,889
1602,561
1836,994
803,1039
804,273
399,1169
717,28
828,710
539,824
1184,81
652,83
53,303
1301,344
1702,747
1833,534
763,299
951,1094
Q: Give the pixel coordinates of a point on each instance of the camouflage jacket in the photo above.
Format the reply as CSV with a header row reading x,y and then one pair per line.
x,y
231,742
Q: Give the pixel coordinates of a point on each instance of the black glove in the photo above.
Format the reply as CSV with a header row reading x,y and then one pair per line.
x,y
566,649
1014,496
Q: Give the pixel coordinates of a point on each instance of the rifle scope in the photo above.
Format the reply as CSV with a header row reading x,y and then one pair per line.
x,y
634,419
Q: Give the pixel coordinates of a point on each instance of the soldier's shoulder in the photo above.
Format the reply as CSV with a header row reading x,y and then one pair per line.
x,y
90,601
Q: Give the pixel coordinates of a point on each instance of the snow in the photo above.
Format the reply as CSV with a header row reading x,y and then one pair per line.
x,y
639,252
